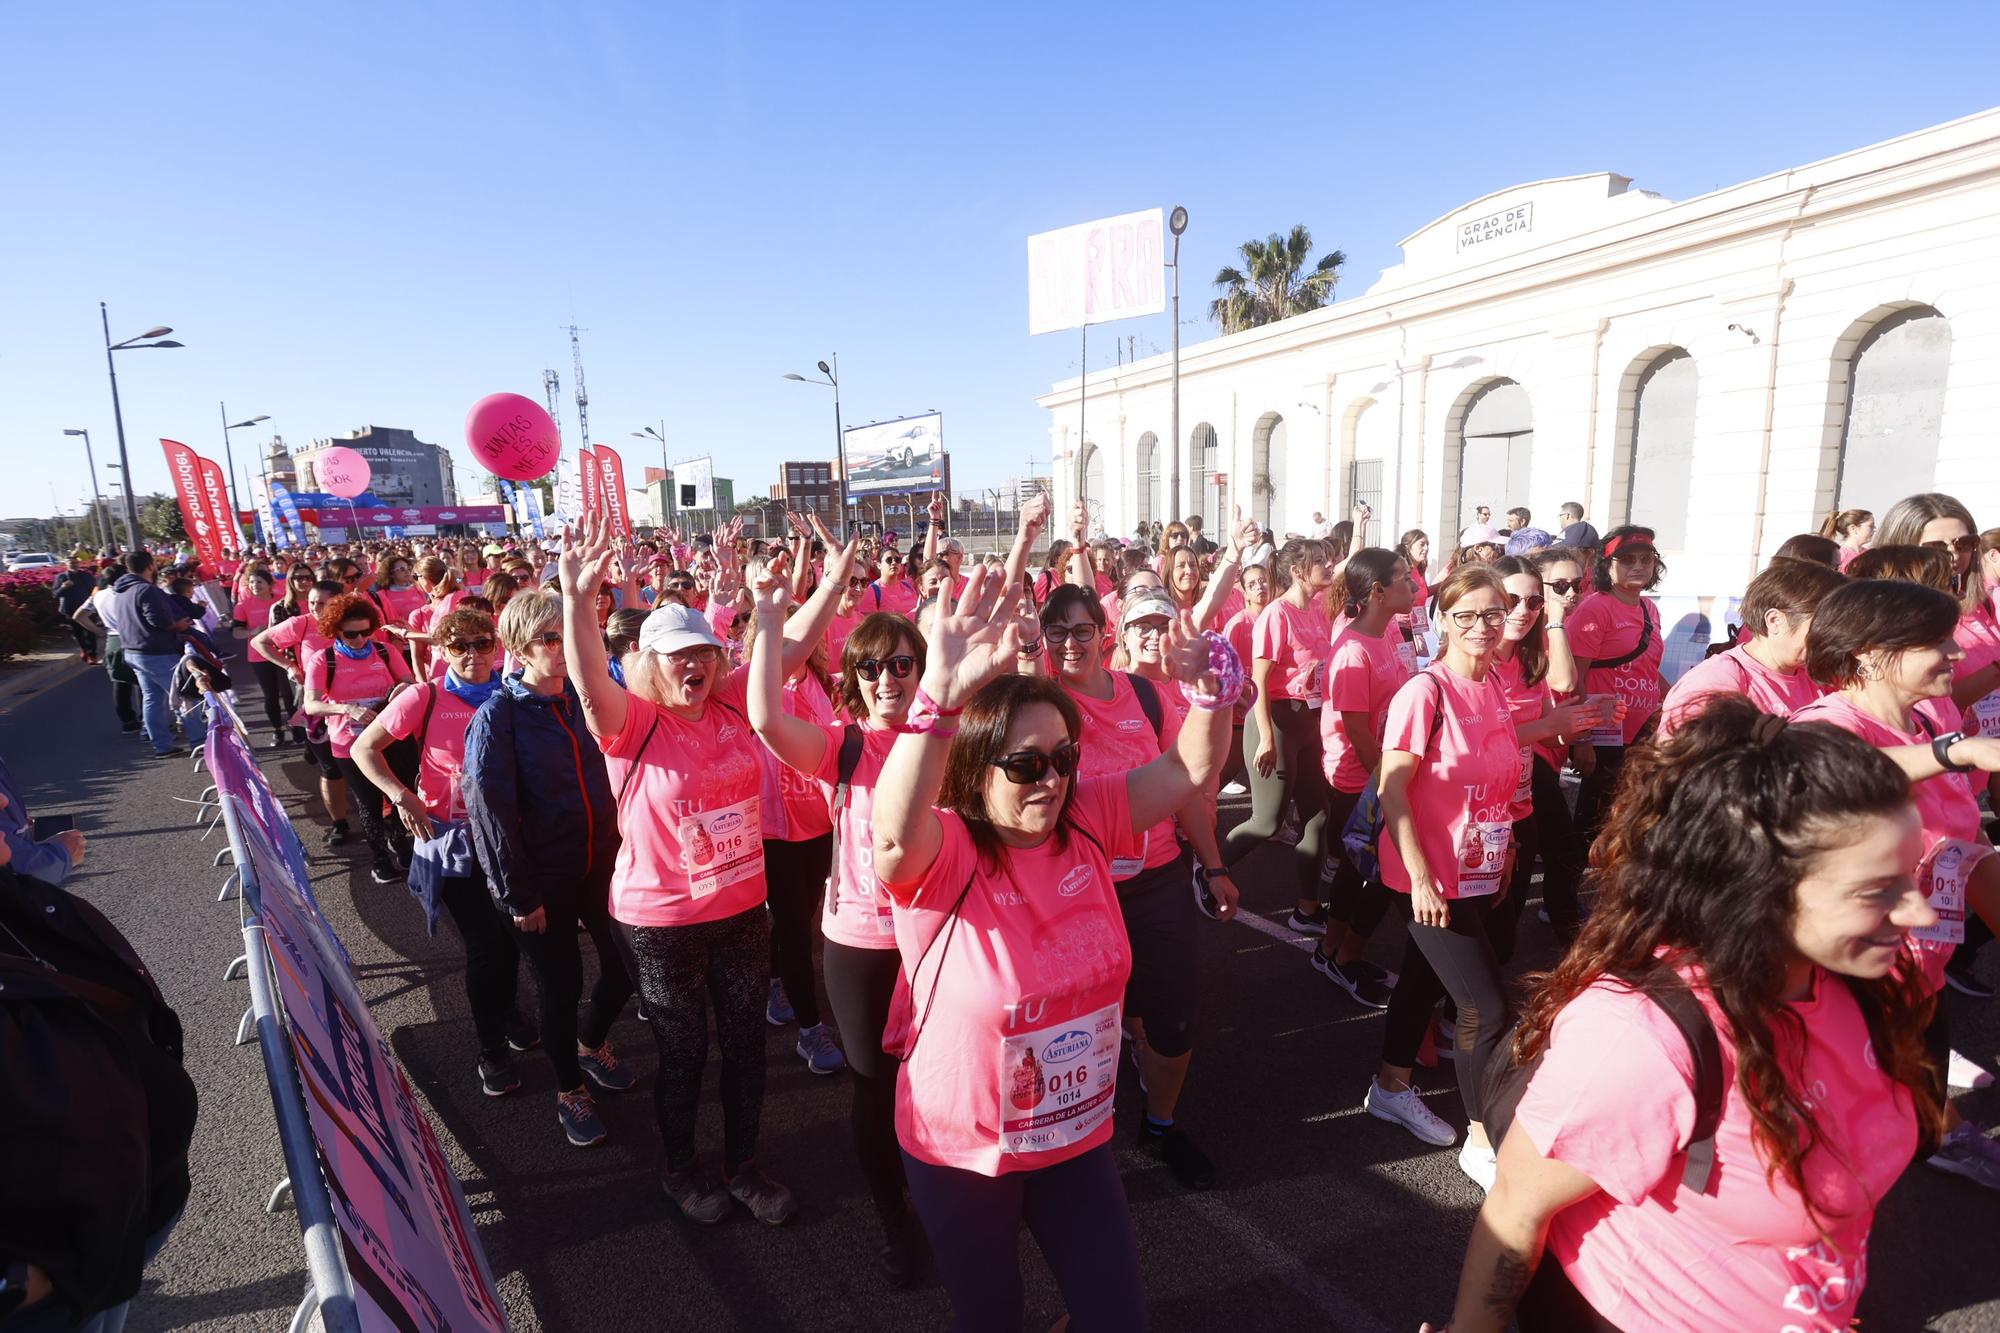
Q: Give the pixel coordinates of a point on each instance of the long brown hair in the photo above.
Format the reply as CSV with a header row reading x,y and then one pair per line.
x,y
1699,866
982,738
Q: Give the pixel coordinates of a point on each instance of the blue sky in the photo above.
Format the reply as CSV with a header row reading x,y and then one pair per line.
x,y
378,214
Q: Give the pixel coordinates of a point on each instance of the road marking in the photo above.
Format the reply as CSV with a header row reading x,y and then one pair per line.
x,y
1282,934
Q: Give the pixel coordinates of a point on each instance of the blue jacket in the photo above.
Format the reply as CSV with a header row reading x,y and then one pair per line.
x,y
147,612
47,861
539,800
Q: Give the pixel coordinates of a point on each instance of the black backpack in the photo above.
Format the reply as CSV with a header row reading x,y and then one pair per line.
x,y
1506,1079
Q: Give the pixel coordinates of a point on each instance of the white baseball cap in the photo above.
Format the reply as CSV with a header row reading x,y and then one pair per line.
x,y
1145,602
673,627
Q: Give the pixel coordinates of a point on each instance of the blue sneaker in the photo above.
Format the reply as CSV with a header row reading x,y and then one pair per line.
x,y
819,1050
577,1114
778,1009
602,1068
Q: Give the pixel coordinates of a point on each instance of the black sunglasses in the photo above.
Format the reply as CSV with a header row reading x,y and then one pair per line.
x,y
1027,767
550,638
900,666
1565,586
1962,545
1065,633
1533,599
356,635
479,645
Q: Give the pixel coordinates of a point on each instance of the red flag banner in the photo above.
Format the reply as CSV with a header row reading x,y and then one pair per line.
x,y
215,493
611,475
184,466
586,472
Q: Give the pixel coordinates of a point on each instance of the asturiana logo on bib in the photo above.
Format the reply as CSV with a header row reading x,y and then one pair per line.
x,y
727,823
1066,1047
1074,882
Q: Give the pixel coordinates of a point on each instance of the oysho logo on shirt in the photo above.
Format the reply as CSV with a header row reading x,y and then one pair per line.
x,y
1075,882
1130,724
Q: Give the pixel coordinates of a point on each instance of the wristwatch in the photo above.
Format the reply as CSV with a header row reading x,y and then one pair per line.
x,y
1205,874
1941,750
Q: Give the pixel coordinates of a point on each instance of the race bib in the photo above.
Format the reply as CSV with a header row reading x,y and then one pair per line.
x,y
1406,655
1420,621
1056,1084
1524,787
1482,858
1943,876
722,847
1986,715
1124,867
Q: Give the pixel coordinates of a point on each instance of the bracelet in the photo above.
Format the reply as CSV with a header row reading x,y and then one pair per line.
x,y
926,704
1232,684
1030,649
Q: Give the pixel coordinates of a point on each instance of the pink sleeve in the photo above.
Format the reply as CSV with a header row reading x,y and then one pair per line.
x,y
1267,638
289,633
639,715
1586,630
1347,679
1103,809
829,759
957,860
1613,1096
1410,717
405,711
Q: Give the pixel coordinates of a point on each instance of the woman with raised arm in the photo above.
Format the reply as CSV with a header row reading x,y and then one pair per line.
x,y
1015,960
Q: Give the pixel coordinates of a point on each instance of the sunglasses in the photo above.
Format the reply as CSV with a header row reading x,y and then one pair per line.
x,y
1024,768
550,638
1059,634
356,635
1564,587
900,666
1533,599
479,645
1635,557
1467,619
857,585
1962,545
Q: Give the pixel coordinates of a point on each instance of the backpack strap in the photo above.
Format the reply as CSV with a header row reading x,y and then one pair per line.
x,y
638,754
1677,1000
424,727
852,743
1645,640
1149,703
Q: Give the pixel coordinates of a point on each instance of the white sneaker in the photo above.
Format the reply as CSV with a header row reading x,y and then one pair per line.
x,y
1963,1073
1235,789
1407,1109
1479,1164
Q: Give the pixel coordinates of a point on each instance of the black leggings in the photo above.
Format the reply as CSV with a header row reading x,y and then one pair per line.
x,y
1561,850
385,833
1593,798
492,962
1077,1213
1296,779
1458,960
682,970
859,984
796,875
275,684
1552,1304
1359,904
558,964
1160,923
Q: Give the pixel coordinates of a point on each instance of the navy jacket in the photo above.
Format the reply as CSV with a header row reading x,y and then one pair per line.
x,y
147,612
539,800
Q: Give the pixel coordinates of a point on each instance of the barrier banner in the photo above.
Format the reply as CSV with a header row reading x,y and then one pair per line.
x,y
364,518
611,490
215,493
407,1239
184,466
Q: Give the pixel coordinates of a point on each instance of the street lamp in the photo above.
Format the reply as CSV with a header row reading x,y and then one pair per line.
x,y
153,337
96,498
1177,223
667,483
832,380
229,456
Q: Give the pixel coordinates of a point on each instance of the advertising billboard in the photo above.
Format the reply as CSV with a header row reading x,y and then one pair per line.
x,y
694,481
896,456
1095,272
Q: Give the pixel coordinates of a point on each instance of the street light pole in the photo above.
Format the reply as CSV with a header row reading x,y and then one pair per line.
x,y
229,456
832,373
96,496
666,472
159,334
1177,223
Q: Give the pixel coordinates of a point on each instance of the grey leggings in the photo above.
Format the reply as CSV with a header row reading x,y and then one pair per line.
x,y
681,971
1456,959
1296,778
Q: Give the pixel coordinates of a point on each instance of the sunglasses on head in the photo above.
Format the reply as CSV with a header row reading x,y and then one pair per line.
x,y
1565,586
1533,599
1961,545
900,666
483,644
1026,767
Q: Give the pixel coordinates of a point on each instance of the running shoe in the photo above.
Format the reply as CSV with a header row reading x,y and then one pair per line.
x,y
1290,832
602,1068
497,1077
1961,1072
1479,1164
1308,925
1969,1153
1407,1109
338,834
900,1250
699,1198
1235,789
384,872
1961,978
768,1201
1365,990
820,1051
778,1009
521,1034
1189,1164
577,1113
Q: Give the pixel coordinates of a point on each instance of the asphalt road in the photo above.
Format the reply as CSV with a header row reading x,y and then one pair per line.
x,y
1322,1218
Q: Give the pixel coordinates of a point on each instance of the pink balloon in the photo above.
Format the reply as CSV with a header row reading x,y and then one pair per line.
x,y
512,437
343,472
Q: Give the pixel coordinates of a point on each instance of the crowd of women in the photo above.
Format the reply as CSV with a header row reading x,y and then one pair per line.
x,y
989,793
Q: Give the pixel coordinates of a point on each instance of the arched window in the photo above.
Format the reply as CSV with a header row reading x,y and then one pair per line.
x,y
1895,402
1495,435
1662,457
1267,472
1370,435
1149,478
1204,455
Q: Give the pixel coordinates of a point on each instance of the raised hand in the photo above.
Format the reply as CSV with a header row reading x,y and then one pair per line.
x,y
1079,523
1035,517
840,557
771,588
1244,534
936,507
973,642
1185,656
587,559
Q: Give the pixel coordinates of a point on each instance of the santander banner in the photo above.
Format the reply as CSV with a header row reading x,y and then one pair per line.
x,y
611,486
184,466
215,493
588,474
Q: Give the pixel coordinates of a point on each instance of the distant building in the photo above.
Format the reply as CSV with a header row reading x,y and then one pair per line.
x,y
405,470
810,488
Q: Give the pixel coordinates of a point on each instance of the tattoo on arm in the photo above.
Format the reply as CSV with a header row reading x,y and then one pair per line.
x,y
1510,1279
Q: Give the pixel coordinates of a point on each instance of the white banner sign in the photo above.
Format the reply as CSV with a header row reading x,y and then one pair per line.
x,y
896,457
694,484
1096,272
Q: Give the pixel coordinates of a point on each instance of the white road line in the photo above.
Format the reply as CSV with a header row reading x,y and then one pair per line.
x,y
1282,934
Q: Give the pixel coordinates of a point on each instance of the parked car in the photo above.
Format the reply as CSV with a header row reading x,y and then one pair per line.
x,y
31,560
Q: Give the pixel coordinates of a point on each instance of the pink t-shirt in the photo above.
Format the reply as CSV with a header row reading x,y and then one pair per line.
x,y
443,758
692,817
1012,1029
1525,703
1462,794
1117,737
1363,673
299,636
1949,808
253,611
425,612
1297,642
399,604
1614,1099
1735,672
839,627
1602,627
796,808
1979,636
363,680
900,596
857,911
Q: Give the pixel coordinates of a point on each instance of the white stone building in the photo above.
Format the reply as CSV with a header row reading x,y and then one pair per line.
x,y
1726,369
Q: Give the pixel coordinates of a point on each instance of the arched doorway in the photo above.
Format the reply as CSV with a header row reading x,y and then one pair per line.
x,y
1148,460
1267,473
1895,405
1204,455
1370,440
1661,462
1494,434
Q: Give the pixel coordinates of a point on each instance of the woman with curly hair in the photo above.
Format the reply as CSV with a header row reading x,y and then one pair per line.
x,y
1766,868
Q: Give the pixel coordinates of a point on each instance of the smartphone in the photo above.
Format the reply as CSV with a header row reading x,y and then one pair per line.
x,y
45,827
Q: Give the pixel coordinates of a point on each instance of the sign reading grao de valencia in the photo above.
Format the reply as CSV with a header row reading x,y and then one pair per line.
x,y
1511,220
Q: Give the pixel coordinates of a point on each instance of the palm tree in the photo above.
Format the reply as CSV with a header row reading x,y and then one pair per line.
x,y
1273,284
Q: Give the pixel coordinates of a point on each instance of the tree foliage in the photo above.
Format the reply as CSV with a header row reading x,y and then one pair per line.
x,y
160,519
1274,281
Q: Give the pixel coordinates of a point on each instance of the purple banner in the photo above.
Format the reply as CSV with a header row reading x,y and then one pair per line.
x,y
404,517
